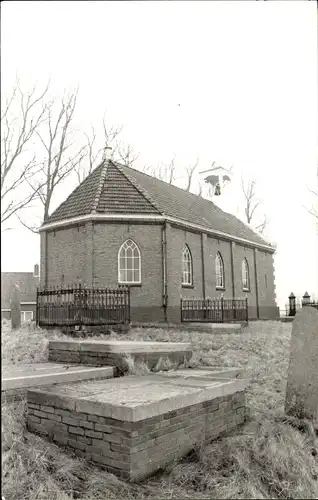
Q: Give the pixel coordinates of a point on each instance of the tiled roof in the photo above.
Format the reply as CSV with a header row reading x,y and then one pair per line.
x,y
114,188
119,195
81,200
26,282
175,202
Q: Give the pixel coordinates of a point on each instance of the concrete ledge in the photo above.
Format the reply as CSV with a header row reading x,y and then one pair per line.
x,y
192,327
206,371
47,374
118,346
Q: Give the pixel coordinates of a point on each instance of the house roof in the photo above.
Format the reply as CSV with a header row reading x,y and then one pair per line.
x,y
116,189
26,282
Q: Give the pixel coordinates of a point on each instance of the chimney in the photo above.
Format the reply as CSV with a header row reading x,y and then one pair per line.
x,y
107,153
36,272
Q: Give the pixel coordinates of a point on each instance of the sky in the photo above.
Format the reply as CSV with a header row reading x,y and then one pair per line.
x,y
230,82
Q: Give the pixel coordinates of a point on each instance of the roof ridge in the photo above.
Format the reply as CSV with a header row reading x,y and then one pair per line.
x,y
138,187
100,186
169,184
73,193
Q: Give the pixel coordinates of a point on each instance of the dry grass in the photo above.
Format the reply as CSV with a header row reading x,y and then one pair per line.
x,y
29,344
270,457
262,349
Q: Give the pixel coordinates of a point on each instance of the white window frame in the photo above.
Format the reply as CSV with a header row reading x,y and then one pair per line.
x,y
219,272
245,275
187,269
129,243
23,315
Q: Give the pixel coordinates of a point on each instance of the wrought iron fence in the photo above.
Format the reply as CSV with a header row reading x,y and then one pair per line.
x,y
295,304
79,306
311,304
214,310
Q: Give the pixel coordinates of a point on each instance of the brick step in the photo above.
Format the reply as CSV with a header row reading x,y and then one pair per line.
x,y
114,352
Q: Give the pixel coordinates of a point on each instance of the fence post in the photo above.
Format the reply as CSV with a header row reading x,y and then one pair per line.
x,y
222,310
37,307
181,313
204,302
80,306
129,305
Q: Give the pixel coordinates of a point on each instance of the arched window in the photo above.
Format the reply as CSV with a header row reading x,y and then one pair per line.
x,y
219,271
245,275
129,263
186,266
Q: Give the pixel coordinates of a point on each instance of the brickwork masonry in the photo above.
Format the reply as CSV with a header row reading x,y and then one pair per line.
x,y
117,360
135,450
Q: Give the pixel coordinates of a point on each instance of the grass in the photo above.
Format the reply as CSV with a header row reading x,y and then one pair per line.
x,y
272,456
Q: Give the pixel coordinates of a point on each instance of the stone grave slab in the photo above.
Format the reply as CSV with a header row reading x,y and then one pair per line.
x,y
302,383
133,426
16,379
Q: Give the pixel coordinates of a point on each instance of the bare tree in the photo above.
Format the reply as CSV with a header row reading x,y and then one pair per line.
x,y
313,210
125,155
252,203
171,170
22,117
59,158
190,169
163,172
200,190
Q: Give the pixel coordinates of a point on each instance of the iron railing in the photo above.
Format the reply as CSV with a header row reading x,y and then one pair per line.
x,y
214,310
311,304
291,311
80,306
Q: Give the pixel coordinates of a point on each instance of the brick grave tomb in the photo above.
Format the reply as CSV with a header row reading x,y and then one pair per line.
x,y
133,426
113,352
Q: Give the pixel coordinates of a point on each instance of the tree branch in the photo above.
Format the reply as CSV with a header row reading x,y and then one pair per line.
x,y
20,122
190,169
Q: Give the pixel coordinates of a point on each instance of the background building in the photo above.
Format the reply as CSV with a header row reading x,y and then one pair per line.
x,y
27,283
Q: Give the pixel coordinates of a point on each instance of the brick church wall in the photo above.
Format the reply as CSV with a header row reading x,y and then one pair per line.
x,y
90,252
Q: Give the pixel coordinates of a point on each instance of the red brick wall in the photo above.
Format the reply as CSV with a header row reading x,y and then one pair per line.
x,y
264,264
67,258
146,300
90,253
213,247
239,253
266,285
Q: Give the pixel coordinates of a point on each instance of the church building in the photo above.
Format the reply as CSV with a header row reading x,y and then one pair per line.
x,y
124,227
